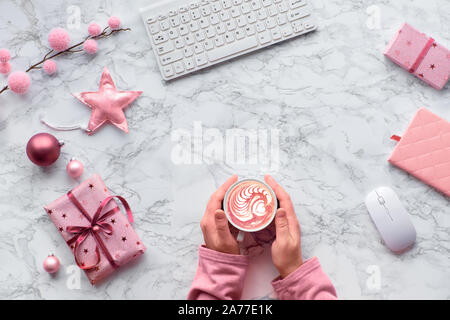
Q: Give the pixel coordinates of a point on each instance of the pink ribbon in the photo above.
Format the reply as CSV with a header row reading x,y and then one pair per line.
x,y
97,225
422,55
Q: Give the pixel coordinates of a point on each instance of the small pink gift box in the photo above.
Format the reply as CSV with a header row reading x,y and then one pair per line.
x,y
93,226
420,55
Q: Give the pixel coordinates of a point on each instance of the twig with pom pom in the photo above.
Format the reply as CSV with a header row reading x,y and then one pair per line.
x,y
107,31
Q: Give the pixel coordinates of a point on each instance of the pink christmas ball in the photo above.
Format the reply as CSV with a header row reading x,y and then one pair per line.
x,y
4,55
50,67
94,29
19,82
43,149
90,46
74,168
51,264
114,22
5,67
59,39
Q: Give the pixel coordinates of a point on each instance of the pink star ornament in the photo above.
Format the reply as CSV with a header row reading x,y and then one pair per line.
x,y
107,104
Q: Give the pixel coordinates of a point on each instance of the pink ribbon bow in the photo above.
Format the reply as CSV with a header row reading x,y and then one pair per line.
x,y
98,224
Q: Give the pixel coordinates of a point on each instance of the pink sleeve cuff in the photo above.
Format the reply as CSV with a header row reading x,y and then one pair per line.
x,y
216,256
308,282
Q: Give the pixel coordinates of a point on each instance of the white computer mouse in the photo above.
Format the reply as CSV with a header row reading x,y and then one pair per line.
x,y
391,219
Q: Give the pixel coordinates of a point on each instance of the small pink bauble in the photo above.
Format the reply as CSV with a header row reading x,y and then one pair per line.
x,y
5,67
4,55
94,29
50,67
59,39
90,46
74,168
19,82
43,149
114,22
51,264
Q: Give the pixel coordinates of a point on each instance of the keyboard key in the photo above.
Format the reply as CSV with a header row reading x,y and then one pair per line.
x,y
193,26
165,25
255,4
272,11
153,28
229,37
239,34
296,3
201,59
220,28
189,63
297,14
173,33
237,2
209,44
264,37
235,12
210,32
203,22
200,35
165,48
183,30
231,25
276,34
219,41
179,43
262,14
226,4
205,10
281,19
251,17
241,22
224,16
179,67
214,18
308,26
271,23
160,38
286,30
171,57
198,48
266,3
185,18
297,26
174,21
168,71
188,52
282,7
216,7
231,49
189,39
245,8
260,26
250,30
195,14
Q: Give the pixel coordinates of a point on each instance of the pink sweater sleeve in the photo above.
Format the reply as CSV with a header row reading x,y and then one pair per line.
x,y
219,276
308,282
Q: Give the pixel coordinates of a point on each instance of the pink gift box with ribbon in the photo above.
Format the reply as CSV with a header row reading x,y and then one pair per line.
x,y
99,234
420,55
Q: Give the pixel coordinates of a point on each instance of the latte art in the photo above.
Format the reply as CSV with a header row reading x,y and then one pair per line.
x,y
250,205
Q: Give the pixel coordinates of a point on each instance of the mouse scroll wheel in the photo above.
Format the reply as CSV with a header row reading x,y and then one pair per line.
x,y
381,200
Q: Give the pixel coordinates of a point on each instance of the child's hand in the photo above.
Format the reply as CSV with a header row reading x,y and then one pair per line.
x,y
214,223
286,249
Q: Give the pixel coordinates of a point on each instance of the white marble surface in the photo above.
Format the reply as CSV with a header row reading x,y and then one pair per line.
x,y
334,97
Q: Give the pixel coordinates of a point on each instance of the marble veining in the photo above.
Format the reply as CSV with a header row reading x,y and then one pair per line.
x,y
331,94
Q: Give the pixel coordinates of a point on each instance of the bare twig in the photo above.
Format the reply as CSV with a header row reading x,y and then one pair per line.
x,y
75,48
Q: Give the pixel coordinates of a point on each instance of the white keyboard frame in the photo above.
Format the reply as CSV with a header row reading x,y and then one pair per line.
x,y
162,8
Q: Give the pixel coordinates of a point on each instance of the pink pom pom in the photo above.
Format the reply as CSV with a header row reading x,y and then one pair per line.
x,y
59,39
50,67
94,29
4,55
90,46
19,82
5,67
114,22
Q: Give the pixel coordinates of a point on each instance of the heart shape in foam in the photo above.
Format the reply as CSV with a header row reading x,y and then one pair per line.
x,y
424,150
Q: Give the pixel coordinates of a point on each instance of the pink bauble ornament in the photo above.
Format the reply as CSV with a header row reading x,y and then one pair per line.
x,y
4,55
50,67
114,22
51,264
94,29
43,149
74,168
90,46
19,82
5,67
59,39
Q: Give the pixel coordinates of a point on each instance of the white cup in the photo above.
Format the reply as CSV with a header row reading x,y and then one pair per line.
x,y
242,231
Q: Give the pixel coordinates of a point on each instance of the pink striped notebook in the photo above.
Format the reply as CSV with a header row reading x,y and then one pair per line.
x,y
424,150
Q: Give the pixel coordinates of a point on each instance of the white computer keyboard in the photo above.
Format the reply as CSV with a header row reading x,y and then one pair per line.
x,y
188,36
